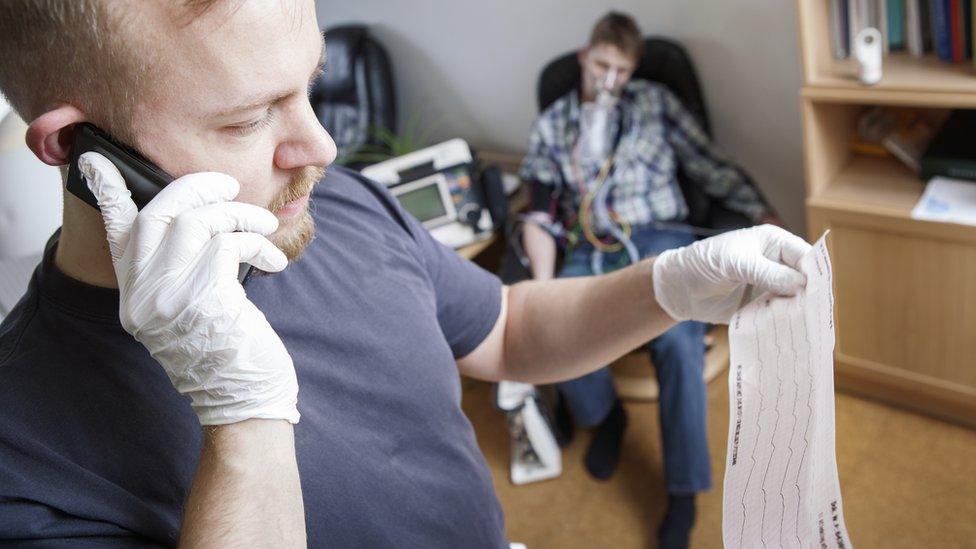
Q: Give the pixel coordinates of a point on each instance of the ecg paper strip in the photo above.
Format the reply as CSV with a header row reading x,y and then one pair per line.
x,y
781,485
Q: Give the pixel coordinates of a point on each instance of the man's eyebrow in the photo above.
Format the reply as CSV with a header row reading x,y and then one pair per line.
x,y
271,97
253,103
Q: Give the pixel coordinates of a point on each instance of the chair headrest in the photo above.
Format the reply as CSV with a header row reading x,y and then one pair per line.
x,y
343,45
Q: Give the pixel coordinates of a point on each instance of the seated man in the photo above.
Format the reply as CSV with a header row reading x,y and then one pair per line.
x,y
147,398
647,134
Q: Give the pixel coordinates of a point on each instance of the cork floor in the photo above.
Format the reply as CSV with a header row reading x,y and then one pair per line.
x,y
907,480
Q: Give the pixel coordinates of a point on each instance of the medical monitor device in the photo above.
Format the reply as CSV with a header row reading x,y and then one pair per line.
x,y
408,167
437,185
428,199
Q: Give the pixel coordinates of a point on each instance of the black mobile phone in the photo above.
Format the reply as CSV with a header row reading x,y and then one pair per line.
x,y
143,178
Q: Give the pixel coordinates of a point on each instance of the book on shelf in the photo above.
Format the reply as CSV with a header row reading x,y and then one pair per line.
x,y
859,146
881,23
952,152
956,30
895,11
925,22
904,133
960,18
858,18
941,30
840,34
967,28
915,26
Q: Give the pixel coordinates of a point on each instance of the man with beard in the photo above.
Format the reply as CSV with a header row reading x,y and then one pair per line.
x,y
135,332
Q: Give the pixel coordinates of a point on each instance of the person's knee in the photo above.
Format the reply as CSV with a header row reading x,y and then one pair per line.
x,y
589,397
683,336
573,271
680,348
665,240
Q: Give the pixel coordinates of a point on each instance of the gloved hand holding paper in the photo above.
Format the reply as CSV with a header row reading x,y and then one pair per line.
x,y
711,279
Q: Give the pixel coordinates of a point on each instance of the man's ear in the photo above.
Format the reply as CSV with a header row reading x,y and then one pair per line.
x,y
49,135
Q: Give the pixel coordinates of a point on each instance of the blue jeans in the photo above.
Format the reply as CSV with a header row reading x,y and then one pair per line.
x,y
678,356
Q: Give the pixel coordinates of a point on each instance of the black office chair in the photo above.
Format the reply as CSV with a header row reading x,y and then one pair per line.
x,y
355,98
665,62
668,63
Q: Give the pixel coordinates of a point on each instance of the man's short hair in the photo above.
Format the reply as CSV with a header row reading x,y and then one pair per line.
x,y
92,54
620,30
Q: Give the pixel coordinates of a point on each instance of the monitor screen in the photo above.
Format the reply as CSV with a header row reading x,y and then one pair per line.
x,y
424,203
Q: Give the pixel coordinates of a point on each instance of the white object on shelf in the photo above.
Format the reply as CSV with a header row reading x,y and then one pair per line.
x,y
867,50
948,201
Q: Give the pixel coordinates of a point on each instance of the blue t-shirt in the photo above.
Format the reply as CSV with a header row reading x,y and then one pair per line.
x,y
96,447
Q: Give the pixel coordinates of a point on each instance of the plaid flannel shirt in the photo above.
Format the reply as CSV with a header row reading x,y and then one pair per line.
x,y
658,134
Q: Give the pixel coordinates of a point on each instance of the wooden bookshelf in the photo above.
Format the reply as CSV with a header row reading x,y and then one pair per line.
x,y
882,185
903,73
905,289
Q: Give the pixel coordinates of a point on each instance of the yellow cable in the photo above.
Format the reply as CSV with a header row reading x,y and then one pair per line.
x,y
584,214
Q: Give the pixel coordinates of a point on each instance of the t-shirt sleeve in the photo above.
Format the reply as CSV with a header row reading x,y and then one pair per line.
x,y
469,298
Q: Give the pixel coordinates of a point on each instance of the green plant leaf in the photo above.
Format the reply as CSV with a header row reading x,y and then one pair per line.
x,y
393,145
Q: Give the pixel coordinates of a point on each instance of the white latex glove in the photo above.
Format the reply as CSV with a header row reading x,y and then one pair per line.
x,y
713,278
177,263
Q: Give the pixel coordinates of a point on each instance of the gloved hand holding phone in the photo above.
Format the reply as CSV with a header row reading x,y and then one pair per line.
x,y
177,266
713,278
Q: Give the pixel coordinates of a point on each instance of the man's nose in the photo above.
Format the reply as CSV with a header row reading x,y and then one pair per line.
x,y
310,145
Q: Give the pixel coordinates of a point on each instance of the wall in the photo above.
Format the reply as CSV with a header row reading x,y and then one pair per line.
x,y
469,69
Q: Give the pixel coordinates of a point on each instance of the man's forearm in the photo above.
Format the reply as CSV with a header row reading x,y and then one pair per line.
x,y
561,329
246,491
